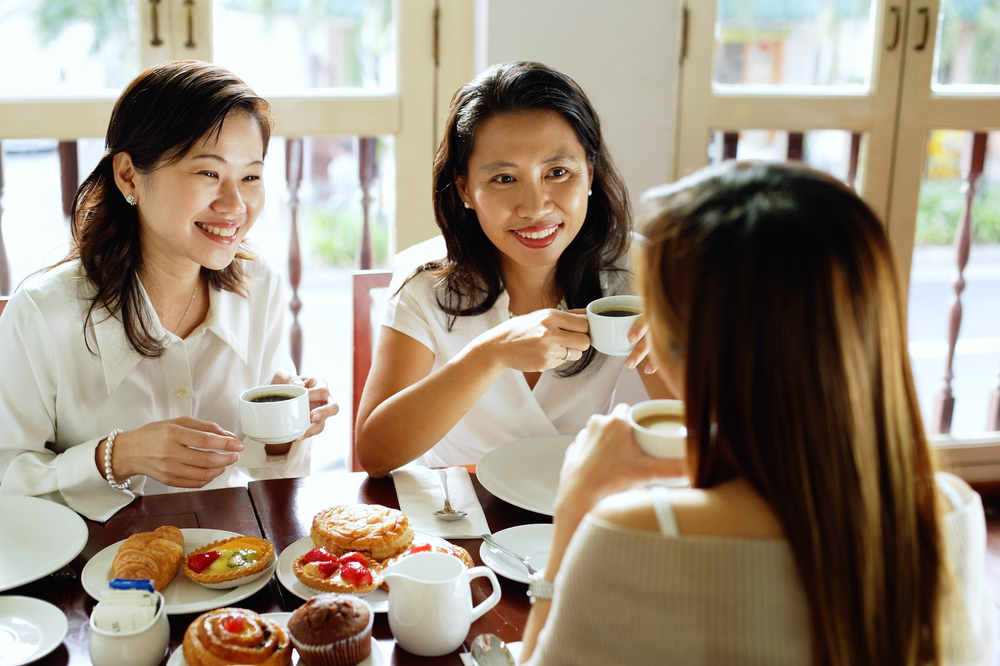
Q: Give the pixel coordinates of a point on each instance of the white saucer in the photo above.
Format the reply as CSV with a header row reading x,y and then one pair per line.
x,y
27,552
374,659
377,599
182,595
532,542
29,629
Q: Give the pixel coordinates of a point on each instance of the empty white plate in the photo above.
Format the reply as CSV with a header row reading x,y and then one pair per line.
x,y
525,472
29,629
532,542
37,537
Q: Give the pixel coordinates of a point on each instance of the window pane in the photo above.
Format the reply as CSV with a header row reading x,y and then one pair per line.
x,y
332,44
967,45
65,47
794,43
932,281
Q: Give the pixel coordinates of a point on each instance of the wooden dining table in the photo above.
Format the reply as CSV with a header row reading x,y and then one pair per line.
x,y
280,510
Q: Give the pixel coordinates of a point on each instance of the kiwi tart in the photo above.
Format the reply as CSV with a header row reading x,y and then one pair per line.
x,y
230,562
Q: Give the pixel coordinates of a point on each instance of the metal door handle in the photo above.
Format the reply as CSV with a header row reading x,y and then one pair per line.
x,y
155,10
926,14
189,4
894,10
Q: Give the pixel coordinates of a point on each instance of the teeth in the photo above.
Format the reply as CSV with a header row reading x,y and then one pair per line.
x,y
228,232
535,235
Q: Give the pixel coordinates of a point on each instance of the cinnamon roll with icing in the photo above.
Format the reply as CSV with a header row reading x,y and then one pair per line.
x,y
235,636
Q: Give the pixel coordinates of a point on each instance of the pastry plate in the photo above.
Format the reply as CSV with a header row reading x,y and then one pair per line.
x,y
29,629
374,659
525,472
30,553
378,599
532,542
182,595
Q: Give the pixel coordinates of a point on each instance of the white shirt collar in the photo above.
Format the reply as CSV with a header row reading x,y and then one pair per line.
x,y
228,318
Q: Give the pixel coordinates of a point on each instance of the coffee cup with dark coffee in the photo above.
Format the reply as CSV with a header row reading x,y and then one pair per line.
x,y
275,414
610,320
658,428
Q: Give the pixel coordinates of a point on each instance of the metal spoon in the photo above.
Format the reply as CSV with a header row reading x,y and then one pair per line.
x,y
447,513
499,546
489,650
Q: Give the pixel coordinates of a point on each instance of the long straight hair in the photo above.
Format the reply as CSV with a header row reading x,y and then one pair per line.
x,y
156,120
777,286
472,273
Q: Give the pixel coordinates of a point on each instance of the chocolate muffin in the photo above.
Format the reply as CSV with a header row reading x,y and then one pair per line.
x,y
332,630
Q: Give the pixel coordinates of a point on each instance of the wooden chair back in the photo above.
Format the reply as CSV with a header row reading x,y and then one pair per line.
x,y
3,303
364,283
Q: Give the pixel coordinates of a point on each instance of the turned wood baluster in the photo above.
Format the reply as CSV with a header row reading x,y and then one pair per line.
x,y
729,142
852,169
69,173
944,401
367,171
293,174
4,266
795,141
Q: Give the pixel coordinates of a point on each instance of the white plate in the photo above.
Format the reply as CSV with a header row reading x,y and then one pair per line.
x,y
37,537
182,595
532,542
525,473
374,659
378,599
29,629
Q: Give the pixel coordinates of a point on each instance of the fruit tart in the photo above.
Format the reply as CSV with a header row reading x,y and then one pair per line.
x,y
351,573
235,636
230,562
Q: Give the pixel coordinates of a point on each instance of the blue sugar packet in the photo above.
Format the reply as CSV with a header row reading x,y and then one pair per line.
x,y
131,584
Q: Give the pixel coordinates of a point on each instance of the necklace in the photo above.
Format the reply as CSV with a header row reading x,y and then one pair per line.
x,y
561,306
184,316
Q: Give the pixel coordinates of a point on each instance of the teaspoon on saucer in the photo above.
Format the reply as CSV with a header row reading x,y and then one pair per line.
x,y
489,650
447,513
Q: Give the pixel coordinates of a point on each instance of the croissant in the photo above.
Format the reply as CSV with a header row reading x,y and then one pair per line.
x,y
153,555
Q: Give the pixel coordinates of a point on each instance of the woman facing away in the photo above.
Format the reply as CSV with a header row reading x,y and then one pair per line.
x,y
126,359
536,223
816,530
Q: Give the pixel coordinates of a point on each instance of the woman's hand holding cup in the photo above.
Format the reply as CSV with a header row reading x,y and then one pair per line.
x,y
184,452
321,407
540,340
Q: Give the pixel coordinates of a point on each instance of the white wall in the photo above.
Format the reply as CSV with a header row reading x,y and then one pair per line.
x,y
624,54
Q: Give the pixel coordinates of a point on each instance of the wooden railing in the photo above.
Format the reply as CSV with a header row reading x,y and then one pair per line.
x,y
367,174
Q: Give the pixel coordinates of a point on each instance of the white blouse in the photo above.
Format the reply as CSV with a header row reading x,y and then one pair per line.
x,y
509,410
58,400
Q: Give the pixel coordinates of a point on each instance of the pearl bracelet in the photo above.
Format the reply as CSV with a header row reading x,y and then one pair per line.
x,y
107,463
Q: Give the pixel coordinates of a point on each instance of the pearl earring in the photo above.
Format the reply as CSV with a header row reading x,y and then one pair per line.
x,y
589,192
130,199
467,205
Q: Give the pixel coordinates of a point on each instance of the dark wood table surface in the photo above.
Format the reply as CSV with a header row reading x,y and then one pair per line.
x,y
285,509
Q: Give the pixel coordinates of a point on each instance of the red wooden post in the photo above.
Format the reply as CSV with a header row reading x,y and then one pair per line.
x,y
729,142
4,265
852,168
293,174
367,171
795,141
944,401
69,173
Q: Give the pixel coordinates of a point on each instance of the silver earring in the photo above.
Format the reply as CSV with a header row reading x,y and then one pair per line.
x,y
130,199
589,192
467,205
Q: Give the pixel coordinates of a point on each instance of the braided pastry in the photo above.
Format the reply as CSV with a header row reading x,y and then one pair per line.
x,y
235,636
155,556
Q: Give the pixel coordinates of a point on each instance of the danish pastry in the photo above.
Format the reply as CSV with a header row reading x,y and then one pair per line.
x,y
235,636
419,546
351,573
374,530
229,562
155,556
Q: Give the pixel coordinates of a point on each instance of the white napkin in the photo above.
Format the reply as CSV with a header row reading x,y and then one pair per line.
x,y
420,495
515,651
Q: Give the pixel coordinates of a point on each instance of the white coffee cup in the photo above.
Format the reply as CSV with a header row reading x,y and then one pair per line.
x,y
430,602
141,647
609,334
658,428
275,422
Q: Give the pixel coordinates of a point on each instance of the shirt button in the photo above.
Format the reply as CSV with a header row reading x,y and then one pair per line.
x,y
181,393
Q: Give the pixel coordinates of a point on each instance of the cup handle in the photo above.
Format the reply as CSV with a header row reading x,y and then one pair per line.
x,y
490,601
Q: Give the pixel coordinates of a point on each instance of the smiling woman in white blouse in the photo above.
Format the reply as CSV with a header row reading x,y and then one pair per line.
x,y
122,365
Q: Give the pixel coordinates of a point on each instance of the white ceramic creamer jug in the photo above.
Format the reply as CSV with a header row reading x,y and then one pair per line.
x,y
430,602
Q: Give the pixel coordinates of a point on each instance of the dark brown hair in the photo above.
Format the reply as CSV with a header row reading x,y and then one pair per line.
x,y
777,286
472,273
156,120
